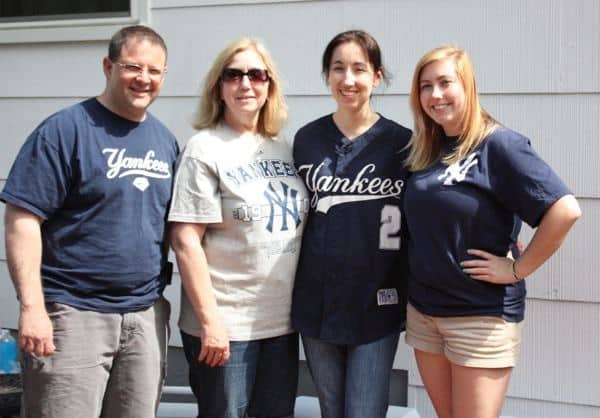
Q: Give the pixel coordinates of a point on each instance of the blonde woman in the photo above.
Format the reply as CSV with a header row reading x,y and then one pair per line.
x,y
237,217
473,180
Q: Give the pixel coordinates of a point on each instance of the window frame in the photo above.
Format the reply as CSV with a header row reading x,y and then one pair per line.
x,y
68,30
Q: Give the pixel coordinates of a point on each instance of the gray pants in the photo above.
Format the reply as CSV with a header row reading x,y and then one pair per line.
x,y
105,365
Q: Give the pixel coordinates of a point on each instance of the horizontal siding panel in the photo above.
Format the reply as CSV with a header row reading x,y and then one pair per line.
x,y
61,69
524,408
559,361
177,114
572,273
9,307
283,27
513,407
20,116
563,129
519,63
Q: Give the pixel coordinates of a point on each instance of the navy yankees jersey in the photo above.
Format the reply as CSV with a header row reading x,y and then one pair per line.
x,y
474,203
351,279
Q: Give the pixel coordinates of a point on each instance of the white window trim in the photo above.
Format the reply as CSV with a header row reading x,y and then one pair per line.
x,y
93,29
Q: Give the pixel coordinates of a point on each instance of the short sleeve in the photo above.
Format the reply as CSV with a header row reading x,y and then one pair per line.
x,y
196,193
39,179
520,179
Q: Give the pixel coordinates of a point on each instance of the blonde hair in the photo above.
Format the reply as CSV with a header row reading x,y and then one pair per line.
x,y
475,125
211,108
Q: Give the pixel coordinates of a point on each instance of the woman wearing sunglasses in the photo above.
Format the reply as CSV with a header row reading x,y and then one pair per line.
x,y
349,298
237,216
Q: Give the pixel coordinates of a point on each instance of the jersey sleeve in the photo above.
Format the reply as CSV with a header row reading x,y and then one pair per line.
x,y
196,193
521,180
39,179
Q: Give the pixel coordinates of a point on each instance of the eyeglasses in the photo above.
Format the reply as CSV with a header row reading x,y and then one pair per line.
x,y
136,70
234,75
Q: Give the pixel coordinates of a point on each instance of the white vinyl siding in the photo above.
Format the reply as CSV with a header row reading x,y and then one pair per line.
x,y
538,66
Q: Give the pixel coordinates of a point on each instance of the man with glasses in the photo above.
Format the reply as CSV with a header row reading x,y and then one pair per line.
x,y
86,202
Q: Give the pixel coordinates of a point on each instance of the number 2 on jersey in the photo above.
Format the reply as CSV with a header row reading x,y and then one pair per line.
x,y
389,237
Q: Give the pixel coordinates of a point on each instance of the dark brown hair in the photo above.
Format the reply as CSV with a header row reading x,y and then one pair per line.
x,y
138,32
365,41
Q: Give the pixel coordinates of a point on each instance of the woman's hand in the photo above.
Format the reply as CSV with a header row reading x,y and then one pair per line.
x,y
489,268
215,344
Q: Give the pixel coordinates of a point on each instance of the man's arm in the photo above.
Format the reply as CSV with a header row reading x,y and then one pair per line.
x,y
24,254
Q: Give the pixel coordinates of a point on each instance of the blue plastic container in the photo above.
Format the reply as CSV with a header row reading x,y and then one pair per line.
x,y
9,354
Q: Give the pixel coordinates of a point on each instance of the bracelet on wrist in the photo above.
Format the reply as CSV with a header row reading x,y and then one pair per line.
x,y
514,273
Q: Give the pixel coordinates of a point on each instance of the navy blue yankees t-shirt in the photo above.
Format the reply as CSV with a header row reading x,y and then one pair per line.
x,y
476,203
102,185
351,276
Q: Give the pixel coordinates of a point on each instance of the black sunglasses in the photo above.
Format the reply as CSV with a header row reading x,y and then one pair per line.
x,y
234,75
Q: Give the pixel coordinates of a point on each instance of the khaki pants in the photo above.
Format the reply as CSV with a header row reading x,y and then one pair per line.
x,y
105,365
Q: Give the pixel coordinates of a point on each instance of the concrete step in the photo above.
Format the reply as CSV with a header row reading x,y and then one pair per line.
x,y
306,407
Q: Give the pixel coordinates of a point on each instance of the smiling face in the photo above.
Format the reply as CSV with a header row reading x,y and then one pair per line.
x,y
442,95
128,93
351,77
244,98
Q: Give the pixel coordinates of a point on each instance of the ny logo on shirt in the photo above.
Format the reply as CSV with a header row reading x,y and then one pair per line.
x,y
457,172
282,201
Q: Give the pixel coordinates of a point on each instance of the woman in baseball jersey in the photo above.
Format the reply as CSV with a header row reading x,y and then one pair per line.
x,y
349,296
237,216
473,181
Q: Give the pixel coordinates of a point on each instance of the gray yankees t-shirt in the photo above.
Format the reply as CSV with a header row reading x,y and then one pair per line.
x,y
246,189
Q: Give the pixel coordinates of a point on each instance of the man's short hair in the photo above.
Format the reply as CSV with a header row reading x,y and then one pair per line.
x,y
139,32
